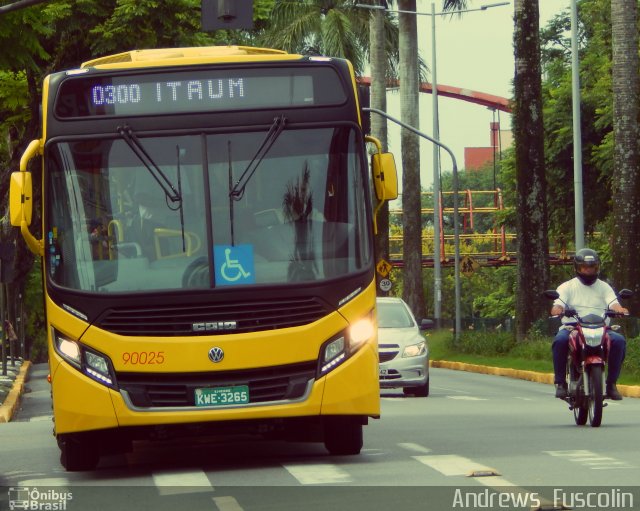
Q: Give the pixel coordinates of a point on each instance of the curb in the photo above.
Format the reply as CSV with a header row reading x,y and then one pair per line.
x,y
625,390
12,400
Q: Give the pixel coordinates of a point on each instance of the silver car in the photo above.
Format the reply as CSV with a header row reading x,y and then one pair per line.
x,y
402,349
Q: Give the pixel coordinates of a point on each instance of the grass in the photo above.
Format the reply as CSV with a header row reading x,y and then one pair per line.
x,y
501,350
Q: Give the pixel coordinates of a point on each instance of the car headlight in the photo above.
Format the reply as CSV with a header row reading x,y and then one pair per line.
x,y
91,363
338,349
415,350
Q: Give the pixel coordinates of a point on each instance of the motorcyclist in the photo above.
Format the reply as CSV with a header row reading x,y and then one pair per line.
x,y
585,293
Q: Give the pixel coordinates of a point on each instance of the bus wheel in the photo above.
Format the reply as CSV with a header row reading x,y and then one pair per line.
x,y
77,453
343,435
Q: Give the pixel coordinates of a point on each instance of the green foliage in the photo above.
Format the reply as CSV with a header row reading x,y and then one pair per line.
x,y
35,325
596,117
483,343
335,28
631,367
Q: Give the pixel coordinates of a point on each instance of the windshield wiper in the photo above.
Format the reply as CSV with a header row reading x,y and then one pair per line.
x,y
276,128
132,141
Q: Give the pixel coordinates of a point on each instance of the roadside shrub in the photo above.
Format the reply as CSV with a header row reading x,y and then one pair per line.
x,y
484,343
631,365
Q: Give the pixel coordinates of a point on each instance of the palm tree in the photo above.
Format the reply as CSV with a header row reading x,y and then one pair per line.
x,y
334,28
533,243
626,134
378,99
412,291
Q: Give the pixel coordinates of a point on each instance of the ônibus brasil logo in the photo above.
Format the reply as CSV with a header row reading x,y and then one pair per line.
x,y
38,500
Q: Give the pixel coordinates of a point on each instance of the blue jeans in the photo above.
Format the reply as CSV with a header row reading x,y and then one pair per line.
x,y
560,348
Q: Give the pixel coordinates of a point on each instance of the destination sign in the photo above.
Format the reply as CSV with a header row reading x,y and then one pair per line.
x,y
198,90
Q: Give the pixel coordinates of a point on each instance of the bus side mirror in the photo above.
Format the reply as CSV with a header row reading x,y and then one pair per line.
x,y
385,176
20,198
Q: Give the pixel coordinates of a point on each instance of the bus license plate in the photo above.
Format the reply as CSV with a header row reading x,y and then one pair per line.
x,y
384,372
220,396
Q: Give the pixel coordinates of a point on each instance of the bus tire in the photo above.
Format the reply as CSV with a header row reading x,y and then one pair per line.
x,y
343,435
77,454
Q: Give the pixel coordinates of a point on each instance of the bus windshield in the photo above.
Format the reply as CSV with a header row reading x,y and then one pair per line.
x,y
111,227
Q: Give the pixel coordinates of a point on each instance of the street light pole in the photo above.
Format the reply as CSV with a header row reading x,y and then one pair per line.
x,y
456,223
577,132
437,266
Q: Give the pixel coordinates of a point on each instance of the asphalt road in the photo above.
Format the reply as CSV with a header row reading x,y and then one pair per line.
x,y
477,442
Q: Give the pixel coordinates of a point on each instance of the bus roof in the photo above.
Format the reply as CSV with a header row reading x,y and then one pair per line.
x,y
185,56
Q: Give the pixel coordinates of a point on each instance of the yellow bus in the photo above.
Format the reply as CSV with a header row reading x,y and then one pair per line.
x,y
206,239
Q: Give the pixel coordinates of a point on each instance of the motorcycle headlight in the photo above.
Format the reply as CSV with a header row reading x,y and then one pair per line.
x,y
91,363
593,336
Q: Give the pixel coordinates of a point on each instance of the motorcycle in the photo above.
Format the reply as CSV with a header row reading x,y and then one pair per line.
x,y
589,344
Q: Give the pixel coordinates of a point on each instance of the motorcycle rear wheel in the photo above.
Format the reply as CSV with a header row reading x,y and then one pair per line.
x,y
596,396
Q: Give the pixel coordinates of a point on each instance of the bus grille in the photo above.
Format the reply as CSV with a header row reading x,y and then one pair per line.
x,y
180,320
172,390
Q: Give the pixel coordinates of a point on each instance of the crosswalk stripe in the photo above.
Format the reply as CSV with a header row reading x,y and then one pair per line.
x,y
46,481
414,447
451,465
319,473
180,482
227,504
41,418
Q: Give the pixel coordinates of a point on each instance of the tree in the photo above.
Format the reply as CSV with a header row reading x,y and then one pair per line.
x,y
61,35
413,292
533,243
626,135
378,64
336,29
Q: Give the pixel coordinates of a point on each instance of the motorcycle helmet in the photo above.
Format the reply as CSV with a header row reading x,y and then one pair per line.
x,y
585,259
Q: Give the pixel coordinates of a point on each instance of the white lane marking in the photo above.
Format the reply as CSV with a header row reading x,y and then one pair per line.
x,y
495,482
414,447
523,398
41,418
448,389
467,398
47,481
451,465
182,481
571,454
319,473
227,504
591,459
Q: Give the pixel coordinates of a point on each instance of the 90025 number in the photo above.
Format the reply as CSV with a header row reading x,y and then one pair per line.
x,y
143,357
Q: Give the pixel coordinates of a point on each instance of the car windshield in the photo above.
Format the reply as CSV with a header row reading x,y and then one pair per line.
x,y
394,315
111,227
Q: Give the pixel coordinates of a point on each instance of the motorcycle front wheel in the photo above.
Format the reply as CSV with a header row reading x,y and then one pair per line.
x,y
596,396
579,401
580,413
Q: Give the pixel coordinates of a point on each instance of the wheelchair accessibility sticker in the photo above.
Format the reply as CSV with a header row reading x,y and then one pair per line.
x,y
234,265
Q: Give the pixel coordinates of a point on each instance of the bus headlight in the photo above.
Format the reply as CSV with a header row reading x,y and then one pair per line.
x,y
91,363
337,350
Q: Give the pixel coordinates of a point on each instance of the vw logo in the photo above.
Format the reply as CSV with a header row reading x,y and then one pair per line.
x,y
216,354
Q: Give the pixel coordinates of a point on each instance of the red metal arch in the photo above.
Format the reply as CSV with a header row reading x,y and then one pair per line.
x,y
471,96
